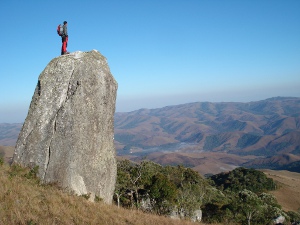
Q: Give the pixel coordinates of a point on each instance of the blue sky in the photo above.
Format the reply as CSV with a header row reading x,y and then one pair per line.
x,y
161,52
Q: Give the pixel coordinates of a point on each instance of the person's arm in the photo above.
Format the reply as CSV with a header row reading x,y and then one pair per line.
x,y
66,31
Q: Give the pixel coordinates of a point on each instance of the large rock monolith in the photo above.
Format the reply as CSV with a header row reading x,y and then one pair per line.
x,y
69,129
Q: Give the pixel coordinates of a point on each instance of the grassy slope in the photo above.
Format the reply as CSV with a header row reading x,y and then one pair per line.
x,y
288,194
7,152
25,201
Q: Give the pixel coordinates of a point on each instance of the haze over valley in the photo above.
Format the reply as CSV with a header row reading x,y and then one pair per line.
x,y
208,137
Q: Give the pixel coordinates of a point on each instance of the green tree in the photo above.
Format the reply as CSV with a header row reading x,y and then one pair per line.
x,y
192,189
122,182
132,179
250,204
212,213
232,207
191,192
270,208
294,216
162,193
242,178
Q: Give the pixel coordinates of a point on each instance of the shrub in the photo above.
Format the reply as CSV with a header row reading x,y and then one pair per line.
x,y
242,178
16,170
32,174
86,196
294,216
98,199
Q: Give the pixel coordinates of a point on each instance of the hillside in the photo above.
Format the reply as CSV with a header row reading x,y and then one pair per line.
x,y
261,134
280,162
9,133
288,194
24,201
204,162
267,130
260,128
6,152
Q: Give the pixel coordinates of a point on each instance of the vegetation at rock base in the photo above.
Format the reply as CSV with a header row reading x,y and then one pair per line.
x,y
239,196
25,201
157,189
141,187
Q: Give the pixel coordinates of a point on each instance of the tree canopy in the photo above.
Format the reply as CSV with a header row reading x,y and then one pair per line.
x,y
238,196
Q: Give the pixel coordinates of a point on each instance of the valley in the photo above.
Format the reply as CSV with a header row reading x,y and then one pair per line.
x,y
208,137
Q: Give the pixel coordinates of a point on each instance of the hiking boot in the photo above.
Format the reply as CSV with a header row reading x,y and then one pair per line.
x,y
65,53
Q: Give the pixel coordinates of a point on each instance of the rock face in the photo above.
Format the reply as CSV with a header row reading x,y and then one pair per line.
x,y
69,129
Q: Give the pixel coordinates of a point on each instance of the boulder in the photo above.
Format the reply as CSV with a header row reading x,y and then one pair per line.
x,y
69,130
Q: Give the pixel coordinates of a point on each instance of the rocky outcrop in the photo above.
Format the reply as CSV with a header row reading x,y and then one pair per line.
x,y
68,132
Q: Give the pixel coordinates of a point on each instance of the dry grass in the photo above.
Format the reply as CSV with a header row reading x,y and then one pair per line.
x,y
288,194
7,152
25,201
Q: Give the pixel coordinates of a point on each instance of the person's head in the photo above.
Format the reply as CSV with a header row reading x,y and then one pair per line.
x,y
65,22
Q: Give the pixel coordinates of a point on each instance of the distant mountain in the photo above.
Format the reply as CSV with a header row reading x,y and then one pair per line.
x,y
293,167
260,134
6,152
261,128
9,133
281,161
204,163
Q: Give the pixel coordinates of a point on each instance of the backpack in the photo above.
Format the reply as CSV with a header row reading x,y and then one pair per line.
x,y
60,30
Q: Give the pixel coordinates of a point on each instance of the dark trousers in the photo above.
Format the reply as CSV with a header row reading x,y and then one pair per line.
x,y
64,46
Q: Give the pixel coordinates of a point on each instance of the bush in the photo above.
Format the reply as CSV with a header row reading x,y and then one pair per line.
x,y
294,217
16,170
86,196
1,157
242,178
32,174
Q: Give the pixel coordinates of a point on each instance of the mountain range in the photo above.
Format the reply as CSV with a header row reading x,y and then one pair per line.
x,y
261,128
209,137
263,134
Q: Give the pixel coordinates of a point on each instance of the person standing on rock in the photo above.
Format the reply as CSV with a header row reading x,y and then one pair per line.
x,y
64,39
